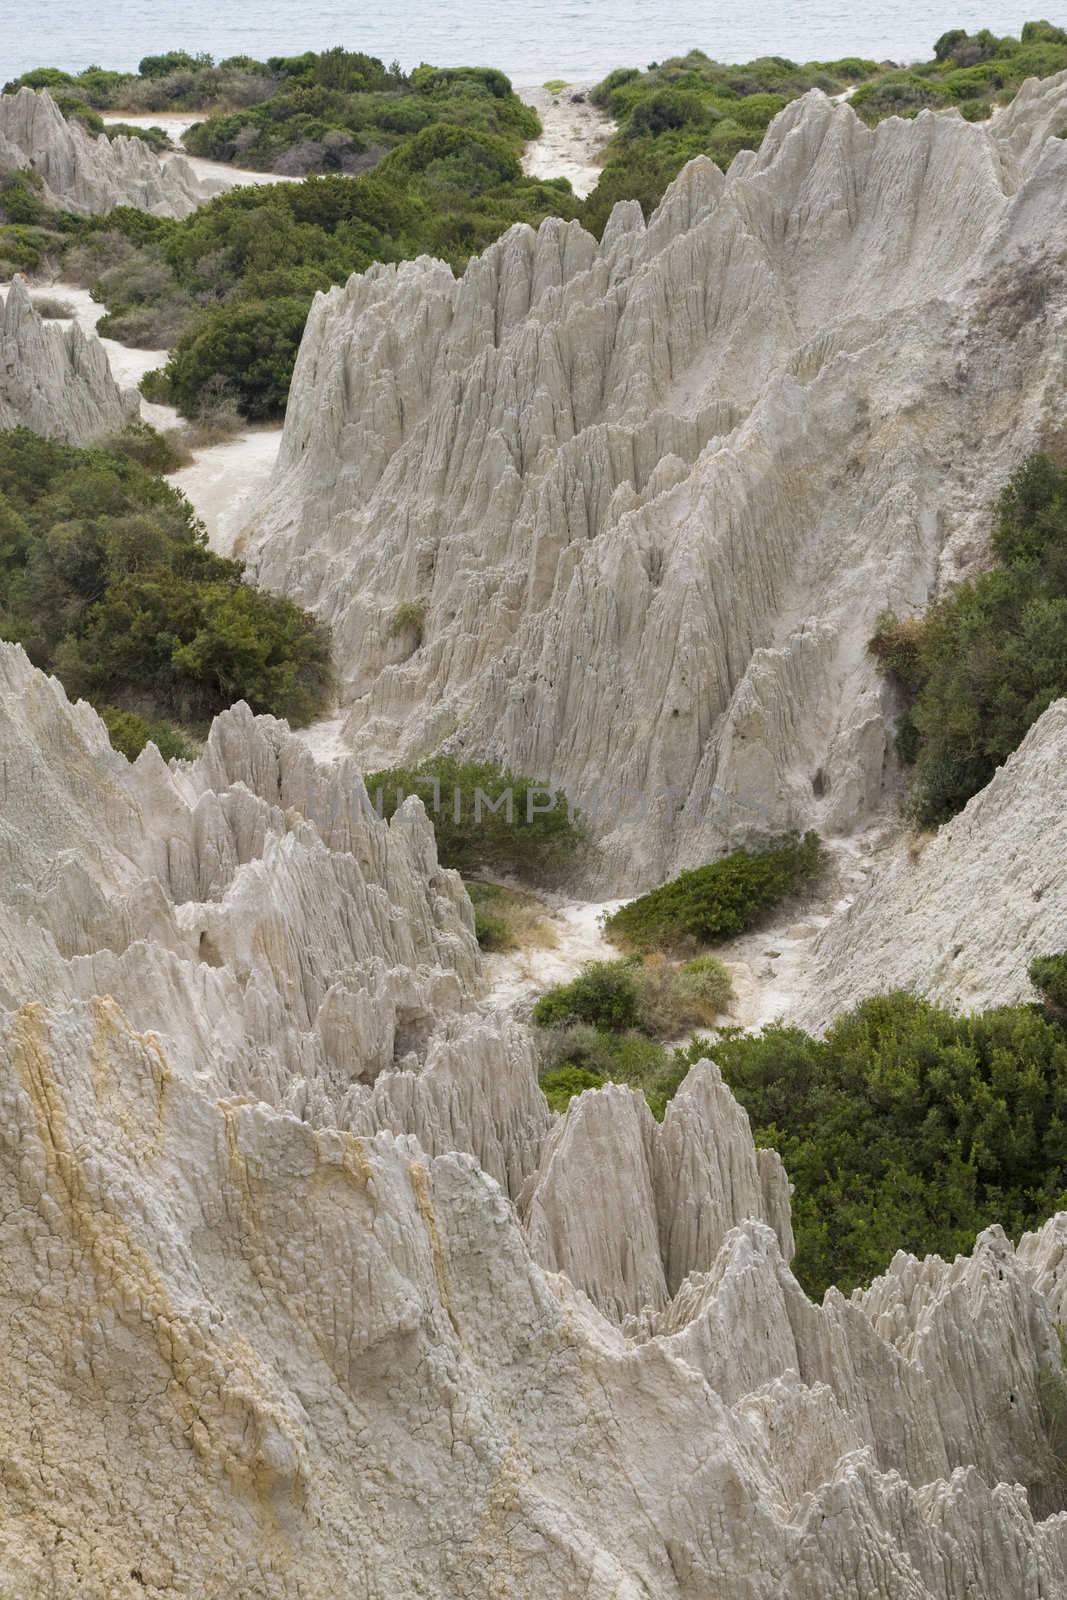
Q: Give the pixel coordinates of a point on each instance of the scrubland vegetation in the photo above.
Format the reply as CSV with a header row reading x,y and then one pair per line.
x,y
423,162
486,818
106,580
906,1127
691,105
979,668
717,901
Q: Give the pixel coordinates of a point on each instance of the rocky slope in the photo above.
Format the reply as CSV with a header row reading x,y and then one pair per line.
x,y
654,491
273,1325
54,379
93,174
958,916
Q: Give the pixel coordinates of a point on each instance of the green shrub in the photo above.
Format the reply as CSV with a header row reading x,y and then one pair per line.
x,y
492,932
485,817
983,664
906,1127
129,734
717,901
673,999
560,1084
1048,974
253,345
151,450
604,995
408,617
106,579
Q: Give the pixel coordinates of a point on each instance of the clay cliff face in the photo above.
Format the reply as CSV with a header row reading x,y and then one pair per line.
x,y
304,1290
958,916
654,491
93,174
54,379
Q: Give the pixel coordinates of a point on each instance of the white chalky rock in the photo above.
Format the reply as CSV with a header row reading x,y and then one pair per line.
x,y
56,380
958,917
655,491
90,173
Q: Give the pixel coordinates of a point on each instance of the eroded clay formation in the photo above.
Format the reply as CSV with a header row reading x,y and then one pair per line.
x,y
304,1290
653,492
91,173
54,378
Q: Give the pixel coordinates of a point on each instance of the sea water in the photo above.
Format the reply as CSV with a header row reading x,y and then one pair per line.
x,y
533,40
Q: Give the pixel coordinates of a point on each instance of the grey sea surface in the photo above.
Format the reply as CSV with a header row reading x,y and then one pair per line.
x,y
532,40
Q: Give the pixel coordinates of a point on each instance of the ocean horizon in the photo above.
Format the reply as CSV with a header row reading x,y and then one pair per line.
x,y
532,42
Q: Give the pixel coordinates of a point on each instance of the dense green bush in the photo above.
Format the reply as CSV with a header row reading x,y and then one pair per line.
x,y
129,733
717,901
604,995
254,342
106,580
1048,974
906,1127
581,1057
983,664
484,816
560,1084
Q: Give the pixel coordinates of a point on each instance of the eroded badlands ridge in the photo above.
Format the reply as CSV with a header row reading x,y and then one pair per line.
x,y
54,379
273,1326
92,173
655,491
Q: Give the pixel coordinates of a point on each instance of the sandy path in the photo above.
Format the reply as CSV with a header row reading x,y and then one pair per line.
x,y
770,969
519,977
575,133
225,480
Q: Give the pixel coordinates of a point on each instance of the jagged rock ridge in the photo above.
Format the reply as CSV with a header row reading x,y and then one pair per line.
x,y
91,173
56,380
654,491
273,1326
958,916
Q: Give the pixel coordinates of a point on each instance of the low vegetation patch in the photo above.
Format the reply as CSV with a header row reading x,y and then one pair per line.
x,y
107,581
587,1058
129,733
979,668
408,619
692,105
720,900
906,1127
508,919
610,1022
53,309
485,818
